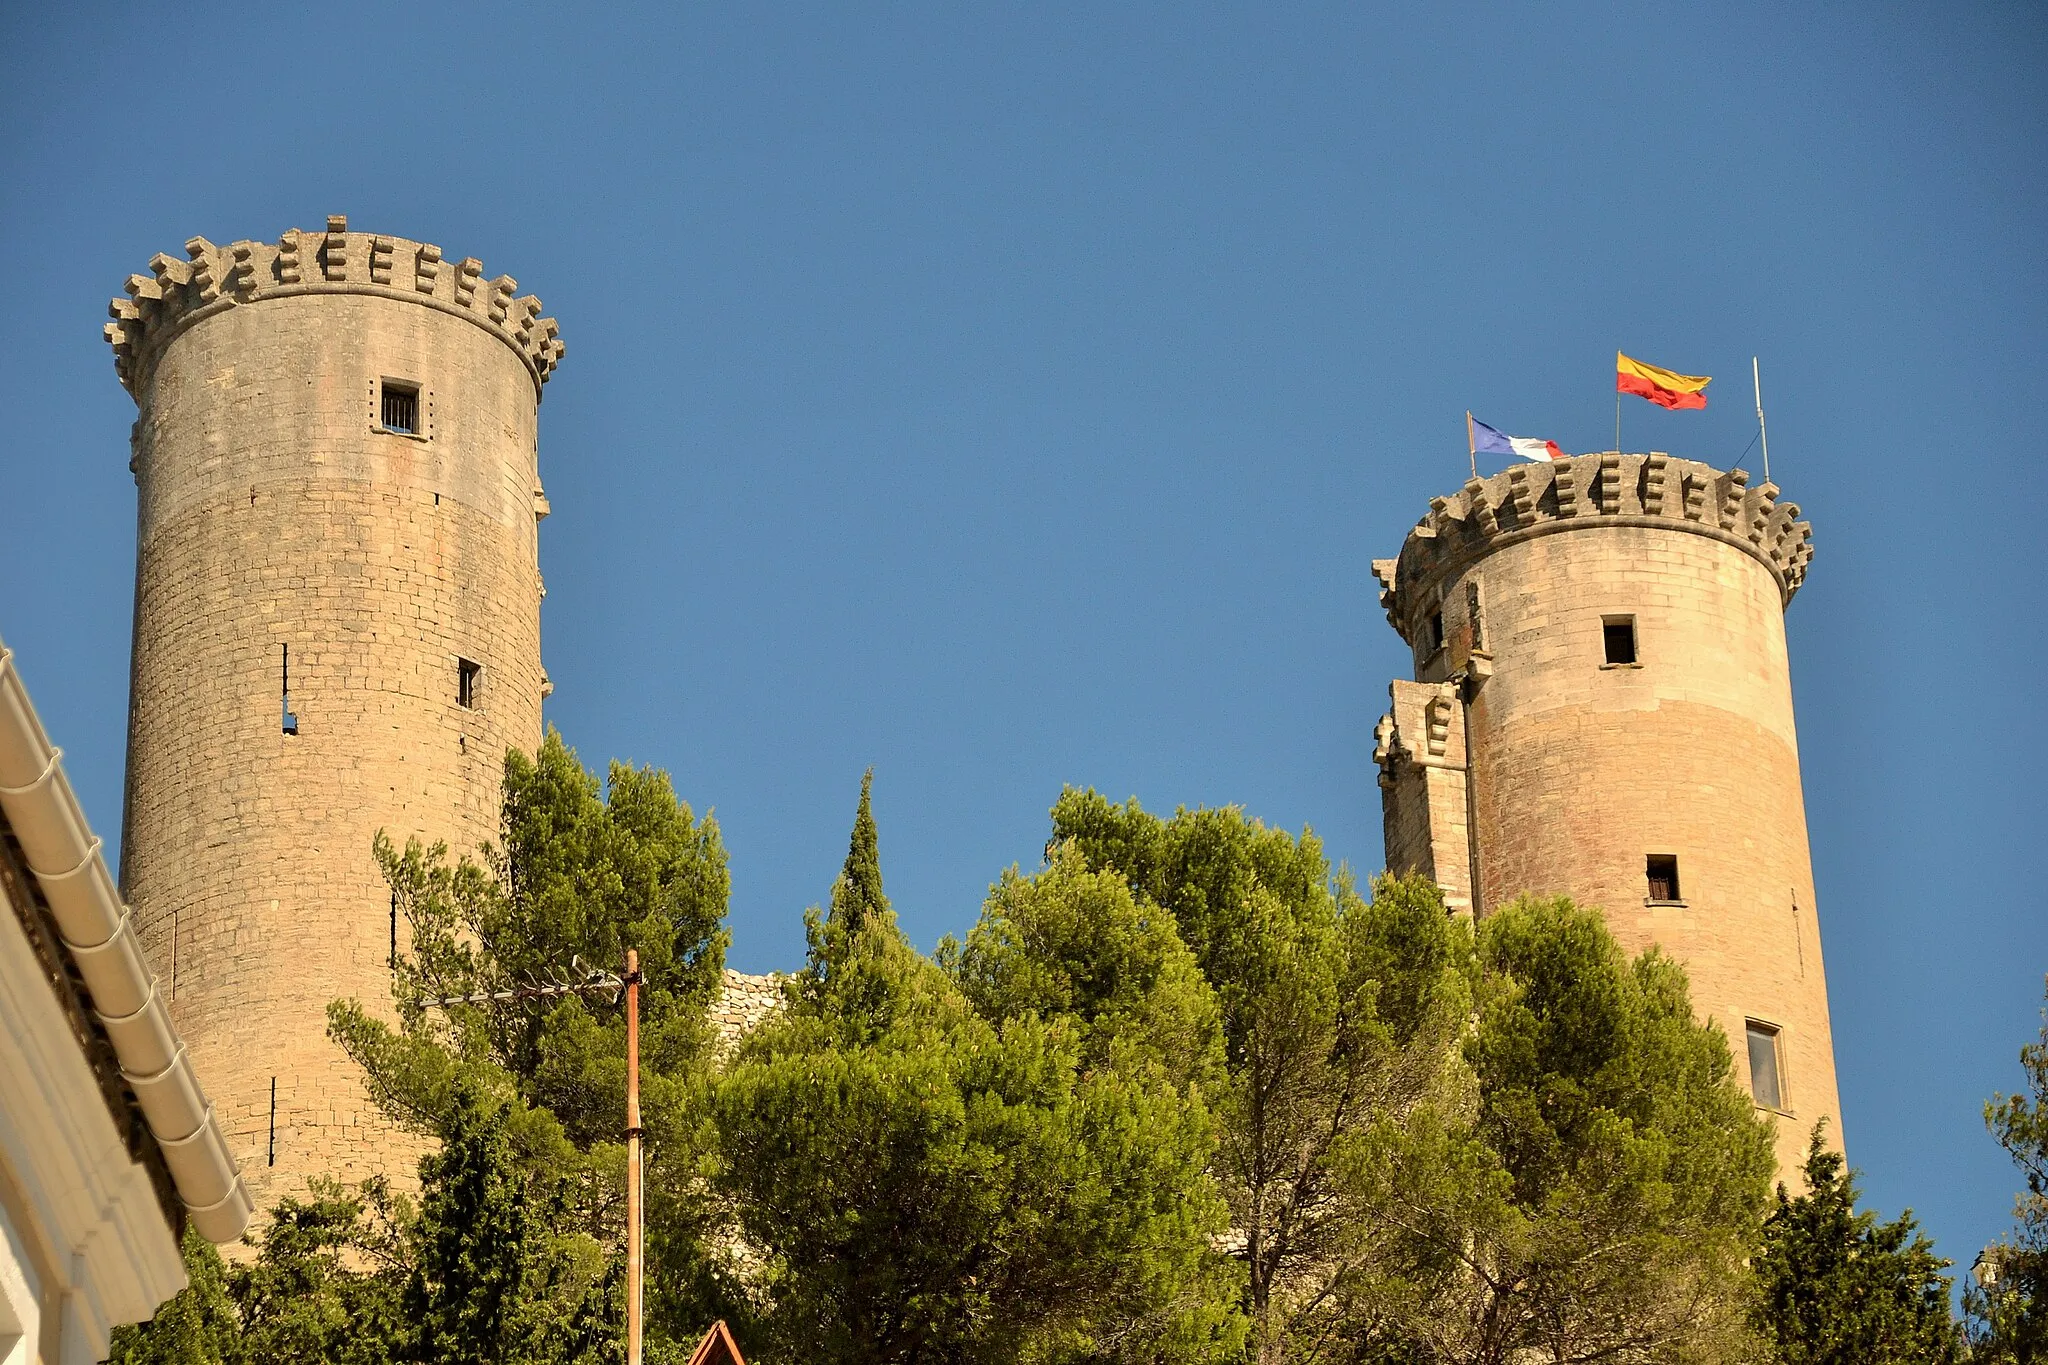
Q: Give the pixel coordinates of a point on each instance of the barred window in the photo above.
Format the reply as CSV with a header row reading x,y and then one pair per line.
x,y
399,407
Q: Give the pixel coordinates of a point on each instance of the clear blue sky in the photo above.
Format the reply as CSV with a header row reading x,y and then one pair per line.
x,y
1009,396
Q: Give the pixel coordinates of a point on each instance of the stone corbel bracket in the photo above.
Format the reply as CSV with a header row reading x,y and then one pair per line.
x,y
1591,493
177,294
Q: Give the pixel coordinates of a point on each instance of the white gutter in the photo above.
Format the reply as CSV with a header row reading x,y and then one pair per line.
x,y
99,933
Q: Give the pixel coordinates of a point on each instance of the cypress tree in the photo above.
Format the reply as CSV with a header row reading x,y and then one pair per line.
x,y
464,1293
1841,1288
855,943
857,898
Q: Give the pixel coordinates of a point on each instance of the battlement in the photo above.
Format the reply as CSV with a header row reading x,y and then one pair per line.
x,y
1586,492
177,293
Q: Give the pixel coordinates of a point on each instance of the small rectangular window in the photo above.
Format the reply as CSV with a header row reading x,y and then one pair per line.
x,y
1763,1065
399,407
1433,632
284,687
1663,875
468,678
1619,633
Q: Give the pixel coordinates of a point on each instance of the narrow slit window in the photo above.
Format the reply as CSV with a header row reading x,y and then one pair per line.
x,y
1619,635
399,408
469,676
1433,632
1663,876
284,687
1763,1065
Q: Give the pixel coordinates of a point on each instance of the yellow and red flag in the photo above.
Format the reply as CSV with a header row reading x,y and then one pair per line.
x,y
1665,388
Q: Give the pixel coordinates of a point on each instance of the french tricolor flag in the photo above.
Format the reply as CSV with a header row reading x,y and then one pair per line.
x,y
1485,440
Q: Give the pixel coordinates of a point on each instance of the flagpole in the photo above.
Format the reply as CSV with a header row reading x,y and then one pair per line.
x,y
1617,402
1763,434
1471,445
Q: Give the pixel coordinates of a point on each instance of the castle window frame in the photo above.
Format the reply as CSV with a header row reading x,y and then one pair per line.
x,y
402,407
1618,642
1766,1064
1660,871
469,682
1433,633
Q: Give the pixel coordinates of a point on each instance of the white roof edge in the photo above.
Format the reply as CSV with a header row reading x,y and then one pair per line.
x,y
98,932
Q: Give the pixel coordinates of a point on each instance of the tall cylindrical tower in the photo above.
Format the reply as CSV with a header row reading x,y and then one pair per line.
x,y
337,630
1602,708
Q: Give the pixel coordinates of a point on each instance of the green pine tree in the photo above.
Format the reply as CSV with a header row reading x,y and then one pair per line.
x,y
514,1251
1074,942
1840,1288
197,1326
463,1297
2007,1300
1627,1171
324,1285
1340,1021
1438,1149
585,870
914,1181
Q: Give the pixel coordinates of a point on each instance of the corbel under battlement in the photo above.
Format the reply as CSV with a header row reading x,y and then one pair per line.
x,y
1588,491
176,294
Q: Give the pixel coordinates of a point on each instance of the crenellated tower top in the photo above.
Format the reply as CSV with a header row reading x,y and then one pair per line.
x,y
1585,492
177,294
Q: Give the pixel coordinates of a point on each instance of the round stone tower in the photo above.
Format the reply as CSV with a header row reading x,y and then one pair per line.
x,y
337,630
1602,708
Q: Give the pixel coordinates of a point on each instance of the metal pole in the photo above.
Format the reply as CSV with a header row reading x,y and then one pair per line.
x,y
633,1193
1471,444
1763,435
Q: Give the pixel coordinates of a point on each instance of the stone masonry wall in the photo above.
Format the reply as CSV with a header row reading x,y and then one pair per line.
x,y
744,1003
274,512
1423,788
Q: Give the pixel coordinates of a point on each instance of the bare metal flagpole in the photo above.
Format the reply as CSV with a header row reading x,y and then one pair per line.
x,y
1471,445
1617,403
1763,435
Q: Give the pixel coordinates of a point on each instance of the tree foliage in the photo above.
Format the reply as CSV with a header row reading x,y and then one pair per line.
x,y
1624,1172
473,1273
199,1325
1840,1288
2007,1302
921,1181
1072,943
580,876
1437,1149
1182,1094
1339,1018
584,870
